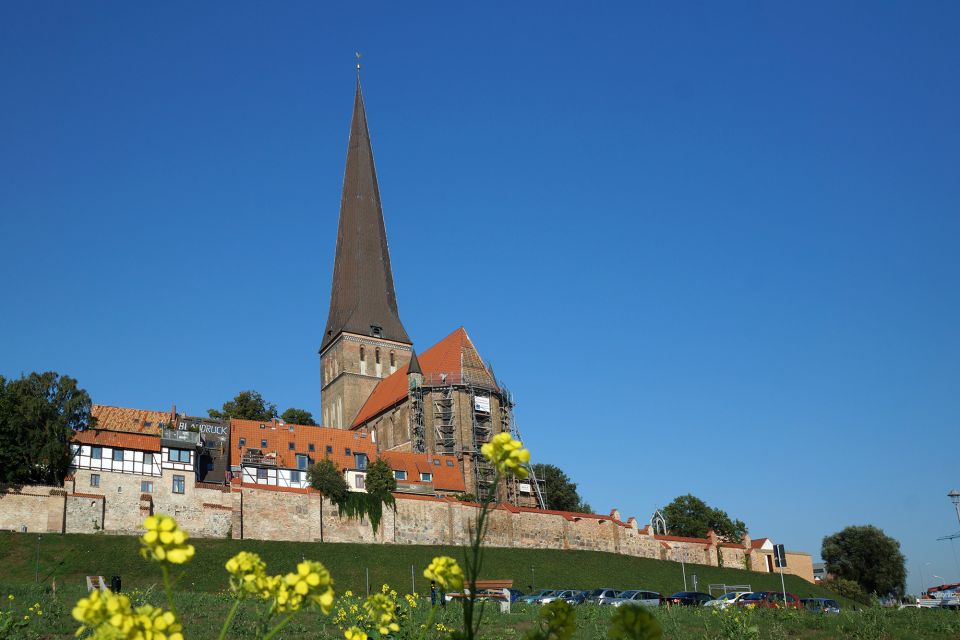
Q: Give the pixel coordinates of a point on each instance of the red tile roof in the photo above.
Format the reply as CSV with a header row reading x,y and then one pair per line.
x,y
279,435
759,542
450,356
98,438
130,420
445,477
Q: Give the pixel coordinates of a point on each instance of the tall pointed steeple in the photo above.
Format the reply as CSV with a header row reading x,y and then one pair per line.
x,y
362,299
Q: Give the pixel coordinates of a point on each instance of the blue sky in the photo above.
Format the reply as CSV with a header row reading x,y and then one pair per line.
x,y
710,248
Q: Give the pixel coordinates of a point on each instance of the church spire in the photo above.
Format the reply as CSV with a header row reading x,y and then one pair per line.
x,y
362,299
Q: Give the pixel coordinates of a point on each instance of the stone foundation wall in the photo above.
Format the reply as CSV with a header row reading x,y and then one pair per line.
x,y
261,513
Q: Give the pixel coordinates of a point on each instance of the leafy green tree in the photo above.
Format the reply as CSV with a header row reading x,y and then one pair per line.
x,y
247,405
297,416
380,482
692,517
38,415
867,556
325,477
559,492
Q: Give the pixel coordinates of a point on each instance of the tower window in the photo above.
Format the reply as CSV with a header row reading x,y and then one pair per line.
x,y
376,331
377,355
362,354
393,362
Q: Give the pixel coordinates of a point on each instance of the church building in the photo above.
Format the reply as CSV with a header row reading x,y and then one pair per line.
x,y
445,402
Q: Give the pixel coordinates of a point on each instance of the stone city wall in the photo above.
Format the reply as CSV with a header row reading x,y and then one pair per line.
x,y
265,513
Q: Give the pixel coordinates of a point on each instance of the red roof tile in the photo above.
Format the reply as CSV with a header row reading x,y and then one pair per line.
x,y
759,542
450,356
98,438
279,435
445,477
130,420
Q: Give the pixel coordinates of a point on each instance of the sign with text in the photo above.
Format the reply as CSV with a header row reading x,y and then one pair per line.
x,y
481,404
210,429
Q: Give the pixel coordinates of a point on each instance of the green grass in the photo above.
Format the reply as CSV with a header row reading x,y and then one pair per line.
x,y
71,557
203,613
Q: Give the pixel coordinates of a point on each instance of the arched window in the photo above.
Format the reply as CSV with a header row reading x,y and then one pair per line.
x,y
363,362
393,362
377,355
377,365
362,358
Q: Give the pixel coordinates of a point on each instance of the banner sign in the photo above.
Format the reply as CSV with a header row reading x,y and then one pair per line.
x,y
481,404
211,429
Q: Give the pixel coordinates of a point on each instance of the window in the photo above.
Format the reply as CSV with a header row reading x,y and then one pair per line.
x,y
263,444
96,452
393,361
179,485
242,443
449,463
294,476
400,475
376,354
311,448
148,459
146,486
291,446
376,331
209,466
261,474
94,479
436,462
118,455
360,481
360,461
346,451
363,355
329,448
302,462
426,477
178,455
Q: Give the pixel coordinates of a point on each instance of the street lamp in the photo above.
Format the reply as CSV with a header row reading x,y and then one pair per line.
x,y
954,496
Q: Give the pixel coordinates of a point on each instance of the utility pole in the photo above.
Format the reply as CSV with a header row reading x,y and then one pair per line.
x,y
38,560
780,556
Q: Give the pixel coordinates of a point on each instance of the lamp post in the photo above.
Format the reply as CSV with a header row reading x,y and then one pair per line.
x,y
954,496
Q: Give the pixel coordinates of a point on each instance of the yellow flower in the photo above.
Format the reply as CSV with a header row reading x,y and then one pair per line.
x,y
311,582
348,594
247,573
507,454
164,541
110,616
411,600
445,571
355,633
381,611
10,597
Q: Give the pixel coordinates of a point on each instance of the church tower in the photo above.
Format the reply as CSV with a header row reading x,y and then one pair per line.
x,y
364,340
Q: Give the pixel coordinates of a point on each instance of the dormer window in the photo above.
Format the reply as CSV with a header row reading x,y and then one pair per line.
x,y
376,331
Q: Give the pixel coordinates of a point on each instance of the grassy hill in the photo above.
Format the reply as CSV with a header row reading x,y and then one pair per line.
x,y
71,557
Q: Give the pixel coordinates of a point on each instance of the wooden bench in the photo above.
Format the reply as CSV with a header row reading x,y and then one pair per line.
x,y
96,583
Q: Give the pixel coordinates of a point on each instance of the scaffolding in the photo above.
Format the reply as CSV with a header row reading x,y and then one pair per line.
x,y
417,434
443,419
482,432
509,425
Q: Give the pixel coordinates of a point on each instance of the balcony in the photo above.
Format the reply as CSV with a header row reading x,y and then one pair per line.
x,y
258,458
179,438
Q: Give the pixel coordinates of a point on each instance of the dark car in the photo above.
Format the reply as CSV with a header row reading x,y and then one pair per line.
x,y
688,598
576,597
820,605
533,597
769,600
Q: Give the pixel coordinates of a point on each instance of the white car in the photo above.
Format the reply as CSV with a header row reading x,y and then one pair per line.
x,y
727,599
644,598
556,595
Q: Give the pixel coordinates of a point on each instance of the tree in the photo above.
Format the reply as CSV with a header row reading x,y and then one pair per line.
x,y
380,481
692,517
38,415
867,556
559,492
297,416
325,477
247,405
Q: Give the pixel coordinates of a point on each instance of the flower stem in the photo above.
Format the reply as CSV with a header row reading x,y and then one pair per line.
x,y
426,628
168,587
226,623
279,626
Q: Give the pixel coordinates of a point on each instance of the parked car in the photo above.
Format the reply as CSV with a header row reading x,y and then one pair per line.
x,y
576,596
533,597
596,595
820,605
638,597
688,598
727,599
515,594
557,595
769,600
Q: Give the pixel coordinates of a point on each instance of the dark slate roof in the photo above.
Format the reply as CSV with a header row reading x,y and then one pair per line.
x,y
414,365
362,294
